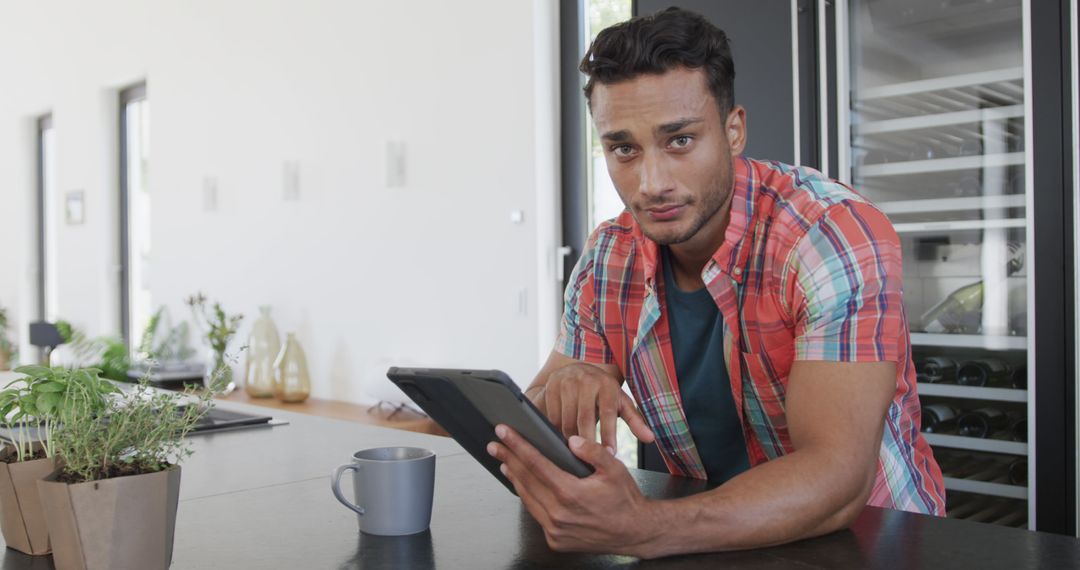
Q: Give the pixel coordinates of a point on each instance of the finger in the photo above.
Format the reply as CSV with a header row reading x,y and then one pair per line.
x,y
532,461
529,492
629,412
593,453
569,396
609,413
553,405
586,413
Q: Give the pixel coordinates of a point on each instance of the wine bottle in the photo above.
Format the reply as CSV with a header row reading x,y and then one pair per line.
x,y
984,372
981,422
1018,472
1017,426
992,510
967,508
1019,377
938,418
935,369
1015,518
961,311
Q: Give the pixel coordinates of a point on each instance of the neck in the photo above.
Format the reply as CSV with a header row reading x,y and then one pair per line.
x,y
688,258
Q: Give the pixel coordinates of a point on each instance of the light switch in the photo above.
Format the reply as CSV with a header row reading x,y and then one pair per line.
x,y
517,216
291,180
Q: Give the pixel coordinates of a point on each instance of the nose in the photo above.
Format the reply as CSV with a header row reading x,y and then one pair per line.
x,y
655,179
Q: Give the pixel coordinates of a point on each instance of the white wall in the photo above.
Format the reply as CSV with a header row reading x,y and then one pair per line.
x,y
368,276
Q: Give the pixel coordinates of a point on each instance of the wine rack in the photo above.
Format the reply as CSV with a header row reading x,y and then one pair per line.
x,y
941,148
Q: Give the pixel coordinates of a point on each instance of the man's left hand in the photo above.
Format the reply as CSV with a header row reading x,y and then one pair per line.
x,y
604,512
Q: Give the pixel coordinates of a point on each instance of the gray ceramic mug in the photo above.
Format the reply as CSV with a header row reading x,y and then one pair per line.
x,y
393,487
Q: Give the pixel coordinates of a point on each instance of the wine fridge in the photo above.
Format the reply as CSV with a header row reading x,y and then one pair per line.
x,y
955,118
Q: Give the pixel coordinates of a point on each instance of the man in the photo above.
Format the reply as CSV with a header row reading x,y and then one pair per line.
x,y
792,384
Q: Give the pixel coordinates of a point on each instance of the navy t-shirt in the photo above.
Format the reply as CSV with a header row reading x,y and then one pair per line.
x,y
697,341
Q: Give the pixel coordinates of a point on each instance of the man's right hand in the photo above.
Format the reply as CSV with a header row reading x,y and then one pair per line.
x,y
575,394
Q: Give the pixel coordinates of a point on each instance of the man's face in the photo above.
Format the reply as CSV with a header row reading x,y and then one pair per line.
x,y
670,153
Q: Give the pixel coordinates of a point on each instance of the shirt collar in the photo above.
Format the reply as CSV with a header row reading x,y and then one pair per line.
x,y
732,255
730,258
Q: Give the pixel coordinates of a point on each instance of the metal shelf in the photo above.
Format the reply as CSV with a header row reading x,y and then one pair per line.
x,y
938,120
959,225
941,164
973,392
976,79
976,444
986,488
953,204
970,341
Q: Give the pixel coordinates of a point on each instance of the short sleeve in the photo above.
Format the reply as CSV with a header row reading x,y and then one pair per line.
x,y
580,334
849,282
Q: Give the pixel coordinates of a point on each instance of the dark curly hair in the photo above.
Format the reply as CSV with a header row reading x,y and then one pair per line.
x,y
663,41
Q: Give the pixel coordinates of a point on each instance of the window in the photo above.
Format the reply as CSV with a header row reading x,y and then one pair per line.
x,y
603,201
48,214
135,247
588,197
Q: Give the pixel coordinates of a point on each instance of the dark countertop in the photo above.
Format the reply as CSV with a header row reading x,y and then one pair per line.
x,y
260,498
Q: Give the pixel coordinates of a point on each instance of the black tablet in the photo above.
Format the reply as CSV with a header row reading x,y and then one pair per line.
x,y
468,404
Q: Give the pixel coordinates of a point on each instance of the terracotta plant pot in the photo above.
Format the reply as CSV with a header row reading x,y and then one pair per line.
x,y
124,522
22,517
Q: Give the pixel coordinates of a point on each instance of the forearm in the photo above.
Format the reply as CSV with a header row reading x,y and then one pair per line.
x,y
804,494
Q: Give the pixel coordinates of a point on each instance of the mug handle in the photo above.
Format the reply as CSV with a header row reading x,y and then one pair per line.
x,y
335,486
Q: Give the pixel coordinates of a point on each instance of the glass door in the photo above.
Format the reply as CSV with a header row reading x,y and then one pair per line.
x,y
938,133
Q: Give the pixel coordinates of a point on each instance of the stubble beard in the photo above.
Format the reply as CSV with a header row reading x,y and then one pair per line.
x,y
711,204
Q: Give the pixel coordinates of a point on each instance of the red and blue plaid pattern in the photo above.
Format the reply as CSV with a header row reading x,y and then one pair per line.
x,y
809,270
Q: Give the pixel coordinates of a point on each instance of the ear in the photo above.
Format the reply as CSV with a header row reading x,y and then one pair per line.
x,y
735,129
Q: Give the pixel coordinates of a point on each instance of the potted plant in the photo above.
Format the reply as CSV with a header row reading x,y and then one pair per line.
x,y
218,328
8,350
30,409
112,502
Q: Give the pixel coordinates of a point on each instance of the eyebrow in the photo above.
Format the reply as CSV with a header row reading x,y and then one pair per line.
x,y
676,126
666,128
616,136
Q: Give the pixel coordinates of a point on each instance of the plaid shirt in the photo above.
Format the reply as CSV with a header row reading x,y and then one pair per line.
x,y
809,270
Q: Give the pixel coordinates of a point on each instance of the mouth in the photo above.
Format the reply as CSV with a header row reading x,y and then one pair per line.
x,y
665,212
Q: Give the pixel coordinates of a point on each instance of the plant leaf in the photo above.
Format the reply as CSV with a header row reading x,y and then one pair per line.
x,y
50,386
47,402
34,371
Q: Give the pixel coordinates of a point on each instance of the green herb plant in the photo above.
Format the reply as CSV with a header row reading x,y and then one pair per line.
x,y
142,431
218,326
32,406
171,346
7,348
106,353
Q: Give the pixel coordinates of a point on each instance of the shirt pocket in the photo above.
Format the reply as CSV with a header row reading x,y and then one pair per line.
x,y
764,379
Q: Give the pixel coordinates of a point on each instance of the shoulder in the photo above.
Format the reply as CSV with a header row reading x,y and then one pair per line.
x,y
808,206
801,195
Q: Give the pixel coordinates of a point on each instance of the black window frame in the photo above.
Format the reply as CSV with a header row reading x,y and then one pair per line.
x,y
127,96
43,123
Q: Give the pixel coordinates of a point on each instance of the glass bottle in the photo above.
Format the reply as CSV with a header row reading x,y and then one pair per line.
x,y
264,344
981,422
291,380
935,369
938,418
219,374
961,311
985,372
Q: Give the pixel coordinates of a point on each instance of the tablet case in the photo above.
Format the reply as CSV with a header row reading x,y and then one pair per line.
x,y
468,404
